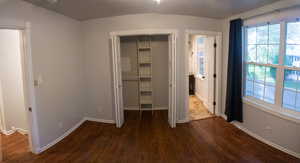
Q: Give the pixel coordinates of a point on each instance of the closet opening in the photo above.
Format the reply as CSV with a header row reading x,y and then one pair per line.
x,y
145,79
13,115
144,75
202,67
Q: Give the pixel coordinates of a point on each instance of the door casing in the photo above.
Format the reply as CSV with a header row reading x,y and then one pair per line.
x,y
117,78
28,80
217,70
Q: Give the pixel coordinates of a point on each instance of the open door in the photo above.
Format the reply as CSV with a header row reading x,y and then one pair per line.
x,y
210,51
172,84
118,85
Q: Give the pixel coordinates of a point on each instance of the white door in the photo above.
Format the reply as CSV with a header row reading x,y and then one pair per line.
x,y
118,85
172,76
210,61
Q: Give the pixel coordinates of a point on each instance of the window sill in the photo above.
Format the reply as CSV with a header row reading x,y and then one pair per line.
x,y
268,109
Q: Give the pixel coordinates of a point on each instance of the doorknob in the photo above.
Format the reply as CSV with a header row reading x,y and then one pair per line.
x,y
30,109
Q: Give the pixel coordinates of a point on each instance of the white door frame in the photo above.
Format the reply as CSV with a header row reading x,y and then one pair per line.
x,y
28,84
116,76
218,96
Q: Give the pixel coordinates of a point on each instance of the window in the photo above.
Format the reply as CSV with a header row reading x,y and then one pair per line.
x,y
262,56
291,88
272,65
200,56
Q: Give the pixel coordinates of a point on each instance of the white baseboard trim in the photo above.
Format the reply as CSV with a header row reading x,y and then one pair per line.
x,y
202,99
68,132
183,121
279,147
13,130
22,131
99,120
223,116
9,132
44,148
155,108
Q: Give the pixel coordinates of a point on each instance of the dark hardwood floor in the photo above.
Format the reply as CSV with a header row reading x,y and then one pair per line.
x,y
150,140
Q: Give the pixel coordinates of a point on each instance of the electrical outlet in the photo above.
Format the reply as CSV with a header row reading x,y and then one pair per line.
x,y
268,128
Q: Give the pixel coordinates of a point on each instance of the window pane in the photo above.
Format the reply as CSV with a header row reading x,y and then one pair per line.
x,y
251,35
274,34
291,80
298,102
200,40
291,90
250,72
251,57
263,46
273,57
270,76
258,90
200,56
269,94
262,53
259,74
293,33
289,98
262,35
292,57
249,88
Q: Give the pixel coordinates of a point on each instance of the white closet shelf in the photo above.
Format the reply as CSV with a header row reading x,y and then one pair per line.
x,y
144,48
146,102
147,109
145,76
145,90
145,63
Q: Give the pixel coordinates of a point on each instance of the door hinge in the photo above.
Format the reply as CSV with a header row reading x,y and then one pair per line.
x,y
214,103
215,75
215,45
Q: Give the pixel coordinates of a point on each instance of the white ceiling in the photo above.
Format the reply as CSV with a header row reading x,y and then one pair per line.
x,y
89,9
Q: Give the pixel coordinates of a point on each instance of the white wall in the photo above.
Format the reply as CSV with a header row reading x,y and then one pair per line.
x,y
273,128
57,58
98,54
11,80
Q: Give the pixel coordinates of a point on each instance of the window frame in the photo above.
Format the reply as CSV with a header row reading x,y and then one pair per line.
x,y
277,108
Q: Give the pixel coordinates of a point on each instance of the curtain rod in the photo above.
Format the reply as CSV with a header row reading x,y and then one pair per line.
x,y
270,12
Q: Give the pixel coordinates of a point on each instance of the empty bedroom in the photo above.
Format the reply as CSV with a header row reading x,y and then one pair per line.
x,y
153,81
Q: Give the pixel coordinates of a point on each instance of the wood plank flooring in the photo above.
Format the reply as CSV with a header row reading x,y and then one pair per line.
x,y
197,109
150,140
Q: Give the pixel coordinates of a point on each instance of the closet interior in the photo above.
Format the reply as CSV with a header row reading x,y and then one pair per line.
x,y
144,67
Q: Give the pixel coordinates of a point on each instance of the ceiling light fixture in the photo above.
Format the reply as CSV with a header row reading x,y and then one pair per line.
x,y
157,1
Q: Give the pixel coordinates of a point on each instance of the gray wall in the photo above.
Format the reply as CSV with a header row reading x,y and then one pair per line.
x,y
128,49
57,58
160,78
278,130
160,70
11,80
98,56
